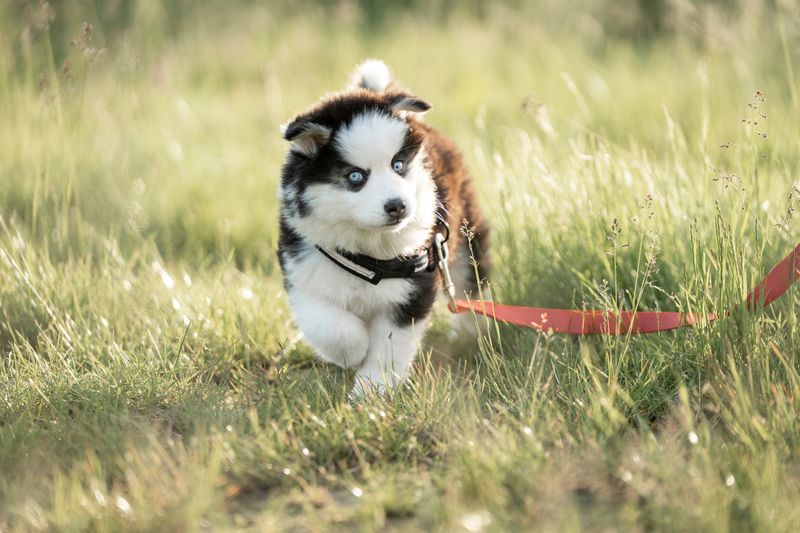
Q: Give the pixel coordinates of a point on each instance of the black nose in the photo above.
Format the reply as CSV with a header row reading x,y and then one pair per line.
x,y
395,208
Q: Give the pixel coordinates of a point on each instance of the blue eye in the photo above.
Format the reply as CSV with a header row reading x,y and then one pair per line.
x,y
398,166
355,177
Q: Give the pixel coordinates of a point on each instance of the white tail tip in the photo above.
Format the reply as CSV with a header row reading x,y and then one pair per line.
x,y
372,74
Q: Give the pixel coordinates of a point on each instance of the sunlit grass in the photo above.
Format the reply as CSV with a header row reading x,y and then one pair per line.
x,y
152,379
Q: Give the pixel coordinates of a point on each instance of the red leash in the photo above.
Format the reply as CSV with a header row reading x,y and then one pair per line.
x,y
772,287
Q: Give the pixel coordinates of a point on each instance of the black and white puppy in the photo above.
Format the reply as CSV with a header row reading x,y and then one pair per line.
x,y
365,185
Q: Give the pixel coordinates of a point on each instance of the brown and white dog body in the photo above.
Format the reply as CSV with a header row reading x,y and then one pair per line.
x,y
365,183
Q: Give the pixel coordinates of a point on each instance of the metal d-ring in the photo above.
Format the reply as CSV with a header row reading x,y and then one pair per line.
x,y
449,288
446,226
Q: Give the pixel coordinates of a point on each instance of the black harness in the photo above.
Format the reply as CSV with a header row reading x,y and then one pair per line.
x,y
374,270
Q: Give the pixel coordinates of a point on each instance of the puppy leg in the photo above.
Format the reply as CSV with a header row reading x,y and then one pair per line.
x,y
337,336
391,351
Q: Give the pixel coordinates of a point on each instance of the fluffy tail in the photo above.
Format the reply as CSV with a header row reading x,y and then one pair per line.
x,y
373,75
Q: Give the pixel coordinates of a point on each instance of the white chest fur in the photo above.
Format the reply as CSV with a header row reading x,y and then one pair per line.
x,y
315,274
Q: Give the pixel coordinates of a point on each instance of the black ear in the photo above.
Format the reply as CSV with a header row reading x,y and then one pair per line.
x,y
307,137
408,103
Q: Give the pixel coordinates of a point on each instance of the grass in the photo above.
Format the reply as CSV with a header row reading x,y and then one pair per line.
x,y
151,376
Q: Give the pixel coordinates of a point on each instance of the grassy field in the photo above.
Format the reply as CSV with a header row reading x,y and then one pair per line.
x,y
150,375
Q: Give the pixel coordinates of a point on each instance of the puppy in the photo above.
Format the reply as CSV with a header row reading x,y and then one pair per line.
x,y
365,186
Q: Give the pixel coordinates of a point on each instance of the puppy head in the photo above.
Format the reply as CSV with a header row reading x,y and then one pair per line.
x,y
356,161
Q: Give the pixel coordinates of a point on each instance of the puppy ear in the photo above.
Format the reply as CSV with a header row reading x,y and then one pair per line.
x,y
407,103
307,137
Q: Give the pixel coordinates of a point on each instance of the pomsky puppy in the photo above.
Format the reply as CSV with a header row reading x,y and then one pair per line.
x,y
365,186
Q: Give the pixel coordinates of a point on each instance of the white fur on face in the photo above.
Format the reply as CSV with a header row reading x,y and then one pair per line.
x,y
356,220
371,140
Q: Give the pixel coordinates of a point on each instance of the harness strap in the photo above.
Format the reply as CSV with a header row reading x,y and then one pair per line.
x,y
374,270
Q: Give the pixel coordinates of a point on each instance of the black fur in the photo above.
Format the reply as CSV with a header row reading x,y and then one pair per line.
x,y
289,246
420,300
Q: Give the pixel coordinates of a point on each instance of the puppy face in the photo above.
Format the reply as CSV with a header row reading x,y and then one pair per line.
x,y
356,162
379,168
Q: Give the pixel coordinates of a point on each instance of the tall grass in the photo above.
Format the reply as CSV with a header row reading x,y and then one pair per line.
x,y
152,379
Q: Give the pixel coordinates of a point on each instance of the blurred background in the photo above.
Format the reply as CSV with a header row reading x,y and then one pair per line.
x,y
158,121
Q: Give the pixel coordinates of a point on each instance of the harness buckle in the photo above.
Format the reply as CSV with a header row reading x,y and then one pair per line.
x,y
449,288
